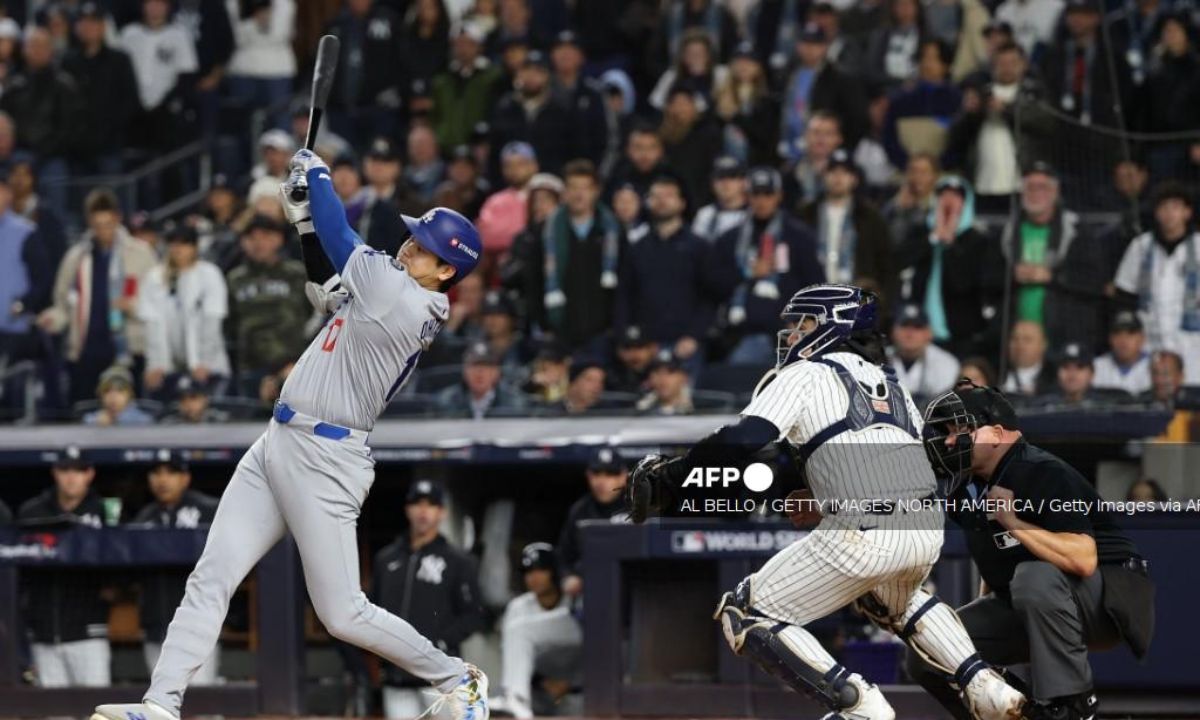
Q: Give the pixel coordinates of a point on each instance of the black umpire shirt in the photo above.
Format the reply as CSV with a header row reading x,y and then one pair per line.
x,y
1059,500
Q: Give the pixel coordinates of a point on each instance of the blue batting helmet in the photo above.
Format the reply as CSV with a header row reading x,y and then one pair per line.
x,y
450,236
839,311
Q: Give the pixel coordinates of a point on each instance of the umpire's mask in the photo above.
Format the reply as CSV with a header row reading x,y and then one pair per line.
x,y
956,415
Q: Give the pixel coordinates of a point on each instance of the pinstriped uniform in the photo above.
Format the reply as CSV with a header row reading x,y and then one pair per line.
x,y
855,553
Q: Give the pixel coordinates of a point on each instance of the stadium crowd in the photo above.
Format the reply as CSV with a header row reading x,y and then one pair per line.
x,y
651,180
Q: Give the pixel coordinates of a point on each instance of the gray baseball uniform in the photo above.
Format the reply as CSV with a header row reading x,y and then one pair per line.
x,y
310,473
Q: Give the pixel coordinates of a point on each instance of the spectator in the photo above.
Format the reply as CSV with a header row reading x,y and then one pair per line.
x,y
387,197
25,285
605,500
481,393
117,401
1126,366
585,386
175,505
1175,75
627,206
1146,490
8,135
1029,374
759,265
917,117
466,91
893,49
580,259
183,303
426,40
979,371
691,141
267,306
6,516
108,93
1131,183
1167,374
432,584
620,101
852,238
818,84
643,161
879,176
670,391
743,102
275,148
521,273
1034,22
680,19
954,273
539,638
466,310
909,208
48,225
348,184
631,371
102,325
984,138
1135,27
580,95
695,69
65,614
425,169
1161,274
806,177
367,89
215,221
730,203
922,367
498,321
210,27
506,213
1058,266
193,407
164,62
47,108
532,114
263,66
465,189
515,25
661,287
772,26
1075,375
1076,69
959,24
548,376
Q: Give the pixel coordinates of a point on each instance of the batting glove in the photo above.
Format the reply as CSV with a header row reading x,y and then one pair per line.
x,y
306,160
293,195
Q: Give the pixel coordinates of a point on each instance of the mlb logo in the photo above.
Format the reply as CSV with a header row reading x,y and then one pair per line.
x,y
1005,540
691,541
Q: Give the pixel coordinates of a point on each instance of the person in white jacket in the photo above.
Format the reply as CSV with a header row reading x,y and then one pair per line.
x,y
183,303
263,67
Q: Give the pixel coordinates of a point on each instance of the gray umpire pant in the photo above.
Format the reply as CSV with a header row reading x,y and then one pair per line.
x,y
1049,619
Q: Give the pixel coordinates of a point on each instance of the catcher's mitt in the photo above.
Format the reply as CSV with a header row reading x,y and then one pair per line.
x,y
646,489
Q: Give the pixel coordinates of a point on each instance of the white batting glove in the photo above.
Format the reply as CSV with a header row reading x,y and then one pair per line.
x,y
298,212
326,298
306,160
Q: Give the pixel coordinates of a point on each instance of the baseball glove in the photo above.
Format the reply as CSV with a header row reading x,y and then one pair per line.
x,y
647,490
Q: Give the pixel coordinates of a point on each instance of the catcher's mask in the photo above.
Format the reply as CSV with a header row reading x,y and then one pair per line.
x,y
950,421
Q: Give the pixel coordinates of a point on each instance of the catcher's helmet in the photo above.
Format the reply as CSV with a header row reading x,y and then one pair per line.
x,y
839,311
959,413
450,236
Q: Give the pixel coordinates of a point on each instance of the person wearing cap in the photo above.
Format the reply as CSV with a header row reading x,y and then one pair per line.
x,y
1076,68
267,305
580,260
922,367
692,140
753,268
1160,277
581,94
585,386
539,637
607,475
193,406
505,213
1058,267
101,326
386,198
465,188
532,113
275,148
117,401
630,369
549,375
954,273
466,91
373,45
175,505
853,246
730,201
662,285
108,89
1075,373
1030,372
482,392
818,84
263,65
66,615
430,583
1032,22
184,302
1126,366
642,161
670,391
918,116
1060,578
425,168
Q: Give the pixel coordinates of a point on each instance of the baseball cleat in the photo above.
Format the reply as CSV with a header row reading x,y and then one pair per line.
x,y
133,711
871,705
509,705
990,698
467,701
733,622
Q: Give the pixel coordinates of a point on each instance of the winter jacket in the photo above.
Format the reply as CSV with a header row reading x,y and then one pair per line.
x,y
872,250
553,131
462,99
162,588
47,108
109,95
435,589
661,287
267,309
692,157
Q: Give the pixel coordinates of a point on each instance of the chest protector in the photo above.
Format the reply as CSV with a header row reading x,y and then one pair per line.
x,y
863,410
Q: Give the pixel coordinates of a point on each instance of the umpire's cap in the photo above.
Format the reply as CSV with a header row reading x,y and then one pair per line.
x,y
450,236
538,556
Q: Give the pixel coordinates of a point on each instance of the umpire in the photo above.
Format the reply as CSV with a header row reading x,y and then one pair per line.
x,y
1060,577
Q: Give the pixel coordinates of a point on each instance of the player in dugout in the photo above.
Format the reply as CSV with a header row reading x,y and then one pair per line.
x,y
1059,577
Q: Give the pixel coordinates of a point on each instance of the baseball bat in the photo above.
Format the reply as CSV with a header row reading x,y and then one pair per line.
x,y
322,83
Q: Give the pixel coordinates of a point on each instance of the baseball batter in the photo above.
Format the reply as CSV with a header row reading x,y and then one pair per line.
x,y
858,436
312,469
